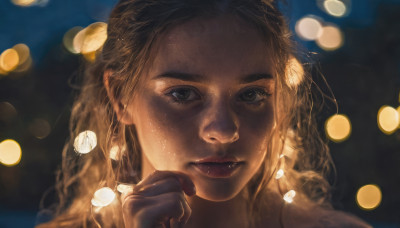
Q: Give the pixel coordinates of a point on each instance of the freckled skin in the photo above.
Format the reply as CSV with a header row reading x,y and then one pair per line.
x,y
218,122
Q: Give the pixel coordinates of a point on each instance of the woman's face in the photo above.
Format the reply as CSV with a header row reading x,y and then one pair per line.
x,y
205,106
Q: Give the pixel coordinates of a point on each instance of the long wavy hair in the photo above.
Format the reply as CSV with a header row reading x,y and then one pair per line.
x,y
133,30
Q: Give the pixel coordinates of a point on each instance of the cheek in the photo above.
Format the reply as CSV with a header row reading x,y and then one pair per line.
x,y
164,133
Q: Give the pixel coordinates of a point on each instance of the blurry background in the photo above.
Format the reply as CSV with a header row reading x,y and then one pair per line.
x,y
355,43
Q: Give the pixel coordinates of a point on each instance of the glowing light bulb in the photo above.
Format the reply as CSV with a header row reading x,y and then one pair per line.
x,y
279,174
122,188
40,128
68,39
10,152
369,197
338,127
77,42
7,112
116,152
308,28
288,197
103,197
388,119
23,52
335,8
398,111
85,142
9,60
23,3
294,73
95,36
331,38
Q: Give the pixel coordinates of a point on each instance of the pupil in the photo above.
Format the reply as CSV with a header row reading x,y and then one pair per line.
x,y
182,94
249,95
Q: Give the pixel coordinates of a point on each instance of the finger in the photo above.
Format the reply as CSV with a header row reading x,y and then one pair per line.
x,y
160,187
186,183
175,223
187,212
163,208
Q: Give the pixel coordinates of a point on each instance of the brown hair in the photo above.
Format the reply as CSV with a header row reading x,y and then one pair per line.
x,y
133,29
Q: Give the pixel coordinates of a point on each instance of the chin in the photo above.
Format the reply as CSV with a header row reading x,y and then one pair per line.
x,y
217,190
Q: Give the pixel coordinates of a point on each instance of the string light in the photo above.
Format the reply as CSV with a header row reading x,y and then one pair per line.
x,y
85,142
308,28
279,174
103,197
90,39
288,197
7,112
10,152
388,119
335,8
68,39
369,197
23,3
9,60
116,152
122,188
338,127
331,38
40,128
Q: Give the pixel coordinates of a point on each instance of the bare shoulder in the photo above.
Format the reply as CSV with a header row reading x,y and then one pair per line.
x,y
333,219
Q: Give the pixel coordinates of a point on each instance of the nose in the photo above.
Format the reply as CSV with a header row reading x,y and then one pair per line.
x,y
220,125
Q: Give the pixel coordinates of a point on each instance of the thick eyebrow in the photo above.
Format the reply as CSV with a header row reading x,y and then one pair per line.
x,y
198,78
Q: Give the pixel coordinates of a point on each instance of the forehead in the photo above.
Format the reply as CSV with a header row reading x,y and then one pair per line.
x,y
212,46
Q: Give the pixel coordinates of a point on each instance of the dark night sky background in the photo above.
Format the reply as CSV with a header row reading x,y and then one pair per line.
x,y
364,75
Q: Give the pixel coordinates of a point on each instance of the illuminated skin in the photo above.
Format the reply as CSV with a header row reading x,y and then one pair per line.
x,y
223,110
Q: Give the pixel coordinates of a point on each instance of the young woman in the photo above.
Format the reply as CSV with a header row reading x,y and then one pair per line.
x,y
213,112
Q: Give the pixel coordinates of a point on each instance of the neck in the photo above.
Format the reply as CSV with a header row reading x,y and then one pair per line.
x,y
231,213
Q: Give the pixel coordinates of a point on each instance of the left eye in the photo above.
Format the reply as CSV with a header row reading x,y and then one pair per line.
x,y
253,95
182,95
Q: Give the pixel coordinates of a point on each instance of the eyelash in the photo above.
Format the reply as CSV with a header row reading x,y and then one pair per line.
x,y
259,91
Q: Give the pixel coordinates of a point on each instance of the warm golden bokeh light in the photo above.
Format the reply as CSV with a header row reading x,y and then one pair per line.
x,y
7,112
308,28
9,60
279,174
24,3
335,8
388,119
398,111
288,197
338,127
68,39
294,72
89,40
95,36
40,128
124,188
331,38
103,197
85,142
23,52
90,56
369,197
10,152
77,42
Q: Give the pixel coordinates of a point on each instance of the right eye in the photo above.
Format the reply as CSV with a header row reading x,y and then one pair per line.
x,y
183,95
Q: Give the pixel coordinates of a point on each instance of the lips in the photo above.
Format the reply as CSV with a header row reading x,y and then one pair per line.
x,y
217,167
